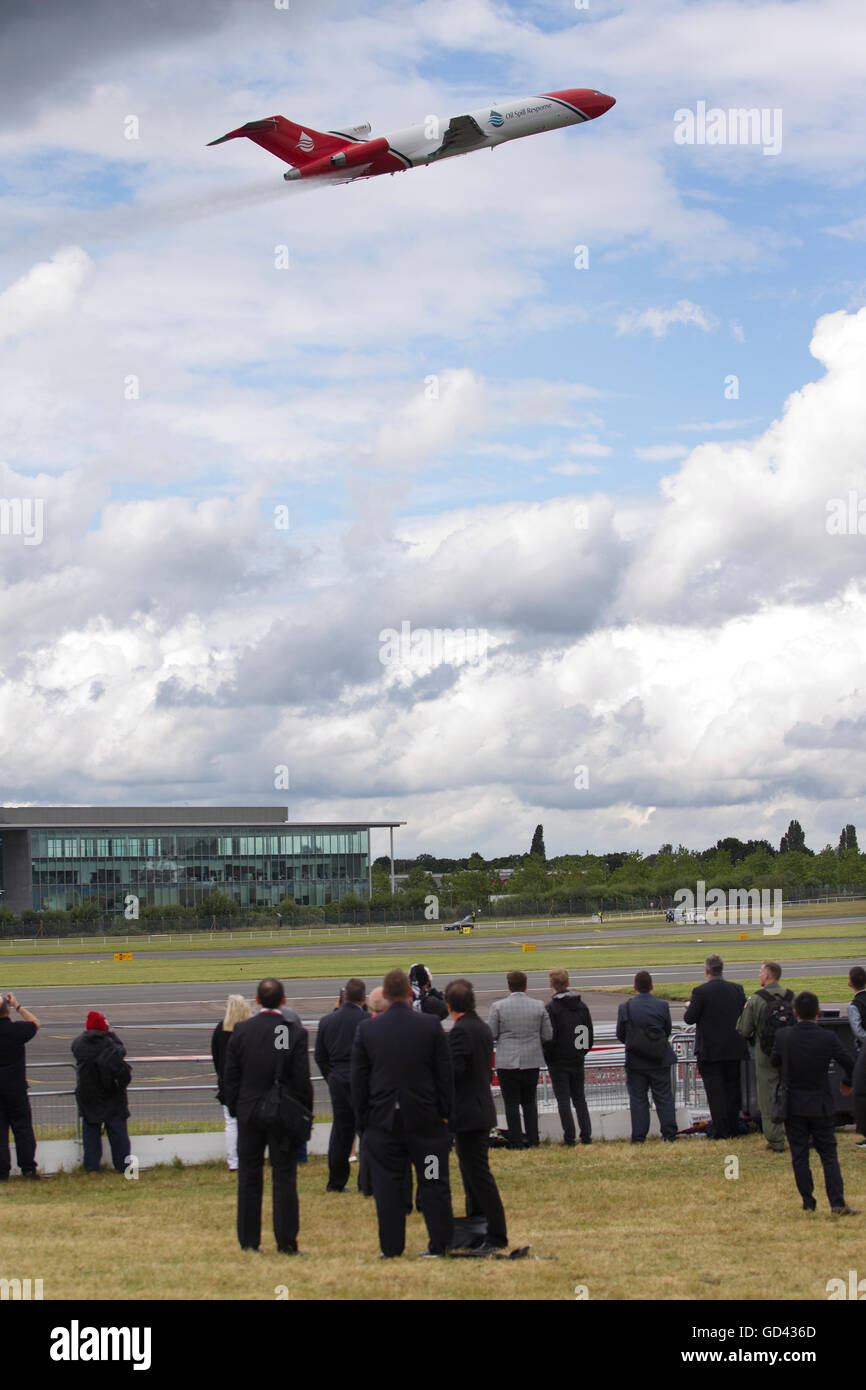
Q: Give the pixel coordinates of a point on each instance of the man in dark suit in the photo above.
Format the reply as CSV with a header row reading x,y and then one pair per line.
x,y
334,1040
258,1046
403,1094
803,1054
471,1044
716,1007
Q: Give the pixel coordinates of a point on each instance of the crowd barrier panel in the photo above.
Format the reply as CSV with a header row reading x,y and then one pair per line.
x,y
178,1102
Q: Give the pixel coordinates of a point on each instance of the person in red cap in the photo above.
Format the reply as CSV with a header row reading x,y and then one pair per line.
x,y
102,1077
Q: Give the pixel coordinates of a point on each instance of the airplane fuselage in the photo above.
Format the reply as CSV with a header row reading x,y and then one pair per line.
x,y
509,120
343,155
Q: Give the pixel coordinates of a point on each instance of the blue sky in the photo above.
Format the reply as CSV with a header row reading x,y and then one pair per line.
x,y
161,579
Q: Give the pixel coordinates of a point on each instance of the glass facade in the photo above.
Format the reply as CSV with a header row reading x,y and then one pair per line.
x,y
256,865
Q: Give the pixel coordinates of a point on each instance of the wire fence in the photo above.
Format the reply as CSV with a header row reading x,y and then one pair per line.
x,y
186,1102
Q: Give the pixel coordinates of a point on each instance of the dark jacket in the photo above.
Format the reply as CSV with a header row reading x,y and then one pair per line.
x,y
401,1059
433,1002
810,1049
471,1045
101,1076
219,1046
716,1007
644,1009
568,1013
14,1037
252,1060
334,1040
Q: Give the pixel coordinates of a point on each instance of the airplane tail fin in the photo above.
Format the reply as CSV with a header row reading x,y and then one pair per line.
x,y
293,144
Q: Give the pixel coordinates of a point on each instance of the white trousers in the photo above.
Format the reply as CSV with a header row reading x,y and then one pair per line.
x,y
231,1138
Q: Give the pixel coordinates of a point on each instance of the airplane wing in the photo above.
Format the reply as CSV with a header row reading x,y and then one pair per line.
x,y
463,134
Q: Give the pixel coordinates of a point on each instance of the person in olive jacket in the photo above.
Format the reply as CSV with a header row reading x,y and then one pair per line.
x,y
102,1077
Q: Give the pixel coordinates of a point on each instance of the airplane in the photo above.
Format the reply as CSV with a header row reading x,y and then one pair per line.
x,y
341,156
464,925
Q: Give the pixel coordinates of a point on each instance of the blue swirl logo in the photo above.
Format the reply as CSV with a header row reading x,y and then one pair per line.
x,y
496,119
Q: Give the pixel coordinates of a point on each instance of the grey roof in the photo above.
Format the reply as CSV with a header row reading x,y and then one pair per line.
x,y
49,817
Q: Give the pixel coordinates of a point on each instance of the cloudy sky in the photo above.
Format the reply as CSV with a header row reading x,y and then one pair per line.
x,y
248,430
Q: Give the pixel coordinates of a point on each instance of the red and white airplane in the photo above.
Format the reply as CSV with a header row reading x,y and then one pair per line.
x,y
339,156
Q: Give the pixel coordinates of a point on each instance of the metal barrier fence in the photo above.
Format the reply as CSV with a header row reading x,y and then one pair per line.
x,y
175,1103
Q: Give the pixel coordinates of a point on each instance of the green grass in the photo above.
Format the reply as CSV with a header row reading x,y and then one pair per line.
x,y
304,936
460,959
654,1222
833,988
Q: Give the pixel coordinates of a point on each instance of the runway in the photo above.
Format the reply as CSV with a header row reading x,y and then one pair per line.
x,y
162,1019
611,938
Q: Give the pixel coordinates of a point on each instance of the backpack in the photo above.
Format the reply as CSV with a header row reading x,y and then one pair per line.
x,y
779,1013
584,1020
114,1073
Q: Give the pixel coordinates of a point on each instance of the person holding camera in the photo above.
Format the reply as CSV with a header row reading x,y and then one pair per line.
x,y
14,1104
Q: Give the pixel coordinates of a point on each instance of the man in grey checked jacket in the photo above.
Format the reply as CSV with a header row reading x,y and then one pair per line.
x,y
519,1025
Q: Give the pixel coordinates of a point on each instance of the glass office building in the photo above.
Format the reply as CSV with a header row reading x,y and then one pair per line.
x,y
63,856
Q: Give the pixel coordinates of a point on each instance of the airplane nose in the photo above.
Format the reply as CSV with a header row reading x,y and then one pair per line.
x,y
585,100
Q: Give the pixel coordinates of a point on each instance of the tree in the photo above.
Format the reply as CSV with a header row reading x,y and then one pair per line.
x,y
537,846
848,839
794,840
216,904
530,877
381,886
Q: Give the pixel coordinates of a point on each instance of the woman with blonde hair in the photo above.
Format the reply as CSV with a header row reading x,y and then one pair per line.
x,y
237,1009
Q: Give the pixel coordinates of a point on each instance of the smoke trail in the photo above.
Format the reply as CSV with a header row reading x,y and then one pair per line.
x,y
207,203
126,221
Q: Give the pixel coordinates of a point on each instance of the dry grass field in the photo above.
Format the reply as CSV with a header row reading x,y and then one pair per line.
x,y
657,1222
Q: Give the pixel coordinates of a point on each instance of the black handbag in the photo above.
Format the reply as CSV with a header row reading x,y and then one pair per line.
x,y
280,1113
648,1043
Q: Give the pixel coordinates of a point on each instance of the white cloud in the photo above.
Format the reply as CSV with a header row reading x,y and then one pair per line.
x,y
47,292
658,321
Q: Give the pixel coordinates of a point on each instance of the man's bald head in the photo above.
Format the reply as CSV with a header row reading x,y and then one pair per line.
x,y
377,1002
